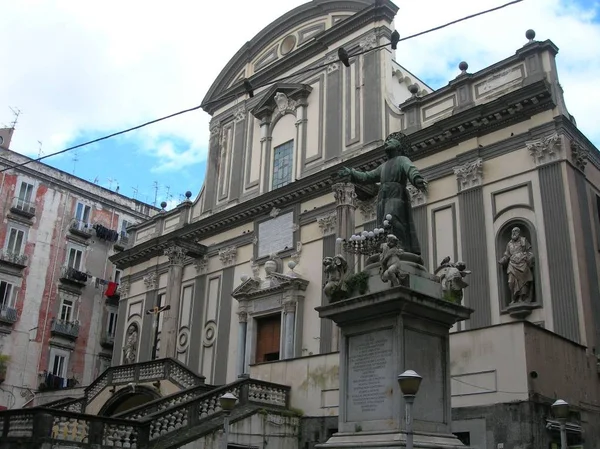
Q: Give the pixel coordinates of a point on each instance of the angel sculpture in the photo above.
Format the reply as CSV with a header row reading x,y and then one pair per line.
x,y
390,261
452,276
336,269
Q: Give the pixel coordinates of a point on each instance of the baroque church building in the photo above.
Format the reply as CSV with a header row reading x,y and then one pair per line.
x,y
239,269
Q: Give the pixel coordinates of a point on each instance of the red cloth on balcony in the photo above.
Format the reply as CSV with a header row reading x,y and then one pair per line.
x,y
111,289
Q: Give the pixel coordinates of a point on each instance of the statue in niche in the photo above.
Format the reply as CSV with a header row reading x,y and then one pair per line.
x,y
336,269
130,349
393,197
452,277
518,260
391,259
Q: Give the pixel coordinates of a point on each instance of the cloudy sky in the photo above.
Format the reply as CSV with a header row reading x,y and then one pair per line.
x,y
77,72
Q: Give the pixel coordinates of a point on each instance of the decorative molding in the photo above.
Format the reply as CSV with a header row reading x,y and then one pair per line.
x,y
332,63
469,175
368,209
417,197
255,240
239,114
579,154
289,306
274,212
215,129
544,150
228,255
368,42
151,280
243,311
201,264
176,254
344,194
284,104
296,255
255,269
327,223
124,289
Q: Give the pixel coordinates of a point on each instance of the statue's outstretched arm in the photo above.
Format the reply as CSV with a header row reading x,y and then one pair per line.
x,y
412,173
360,177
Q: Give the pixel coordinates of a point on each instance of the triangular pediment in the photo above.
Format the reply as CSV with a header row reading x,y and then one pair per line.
x,y
272,102
273,283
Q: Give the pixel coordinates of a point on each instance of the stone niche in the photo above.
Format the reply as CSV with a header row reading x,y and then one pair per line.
x,y
521,309
276,295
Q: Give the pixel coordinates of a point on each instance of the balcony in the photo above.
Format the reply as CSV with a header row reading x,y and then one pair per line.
x,y
73,276
8,315
80,228
64,328
123,241
107,340
18,260
21,207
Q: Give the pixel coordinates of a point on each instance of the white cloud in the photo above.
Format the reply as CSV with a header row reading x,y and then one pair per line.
x,y
73,68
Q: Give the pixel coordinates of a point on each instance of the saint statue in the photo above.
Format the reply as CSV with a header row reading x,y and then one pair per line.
x,y
518,260
393,197
130,349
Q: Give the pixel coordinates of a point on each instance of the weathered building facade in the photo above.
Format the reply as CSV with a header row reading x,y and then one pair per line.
x,y
241,265
58,290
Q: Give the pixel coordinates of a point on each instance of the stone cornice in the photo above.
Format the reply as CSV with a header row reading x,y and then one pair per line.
x,y
156,247
446,133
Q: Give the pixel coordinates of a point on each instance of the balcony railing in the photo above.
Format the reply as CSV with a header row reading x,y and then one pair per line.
x,y
15,259
107,340
72,275
8,314
64,328
22,207
81,228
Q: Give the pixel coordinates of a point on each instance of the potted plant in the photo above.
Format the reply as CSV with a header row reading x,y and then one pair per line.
x,y
4,359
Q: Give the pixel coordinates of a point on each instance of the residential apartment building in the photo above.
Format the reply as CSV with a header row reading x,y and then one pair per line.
x,y
241,266
58,290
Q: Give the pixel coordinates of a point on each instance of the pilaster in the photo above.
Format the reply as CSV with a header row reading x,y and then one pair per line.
x,y
176,255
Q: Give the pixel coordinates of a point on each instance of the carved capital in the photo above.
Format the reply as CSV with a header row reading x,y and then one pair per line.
x,y
327,223
289,306
469,175
544,150
368,42
239,114
344,194
201,264
332,63
228,255
417,197
274,212
368,209
579,155
176,255
243,312
124,289
215,129
151,280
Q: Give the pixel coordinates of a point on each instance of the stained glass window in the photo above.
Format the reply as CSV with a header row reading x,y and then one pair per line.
x,y
283,164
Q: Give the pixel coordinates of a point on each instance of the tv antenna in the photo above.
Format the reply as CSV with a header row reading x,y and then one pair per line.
x,y
155,193
75,160
40,152
135,191
96,180
110,183
16,112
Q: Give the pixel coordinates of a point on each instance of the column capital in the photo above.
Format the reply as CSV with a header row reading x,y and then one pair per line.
x,y
289,306
176,254
151,280
469,175
344,194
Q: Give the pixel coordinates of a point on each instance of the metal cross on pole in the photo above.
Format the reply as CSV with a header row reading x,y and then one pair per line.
x,y
156,311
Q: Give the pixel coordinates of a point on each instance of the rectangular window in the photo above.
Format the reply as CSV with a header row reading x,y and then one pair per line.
x,y
111,325
7,295
83,213
118,276
57,366
268,338
74,259
25,193
66,310
124,225
282,164
16,238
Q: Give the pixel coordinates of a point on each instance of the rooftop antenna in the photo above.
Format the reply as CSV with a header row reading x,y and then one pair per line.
x,y
110,183
40,152
135,191
16,112
75,159
169,195
155,193
96,180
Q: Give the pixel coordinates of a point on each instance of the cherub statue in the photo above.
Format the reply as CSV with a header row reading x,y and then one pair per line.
x,y
390,261
452,276
336,269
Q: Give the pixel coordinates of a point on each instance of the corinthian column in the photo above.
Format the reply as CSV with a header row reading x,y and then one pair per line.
x,y
170,328
345,205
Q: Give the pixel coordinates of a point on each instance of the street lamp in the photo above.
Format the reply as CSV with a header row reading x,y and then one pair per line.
x,y
227,402
560,409
409,382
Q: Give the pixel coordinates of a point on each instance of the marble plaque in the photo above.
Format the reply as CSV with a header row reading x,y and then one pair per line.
x,y
276,234
371,376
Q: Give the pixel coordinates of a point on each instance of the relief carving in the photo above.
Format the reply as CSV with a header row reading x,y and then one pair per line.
x,y
417,197
284,104
368,42
332,63
367,209
544,150
327,223
131,344
469,175
201,264
579,155
151,280
176,255
228,255
344,194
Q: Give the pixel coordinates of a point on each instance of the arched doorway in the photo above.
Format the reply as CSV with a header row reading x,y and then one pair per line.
x,y
128,398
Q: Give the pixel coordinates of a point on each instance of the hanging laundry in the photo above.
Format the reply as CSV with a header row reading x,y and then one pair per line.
x,y
111,290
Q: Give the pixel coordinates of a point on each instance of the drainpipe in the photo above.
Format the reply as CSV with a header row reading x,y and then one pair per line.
x,y
58,250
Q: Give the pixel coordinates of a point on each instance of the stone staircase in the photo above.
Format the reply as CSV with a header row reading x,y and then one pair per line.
x,y
165,423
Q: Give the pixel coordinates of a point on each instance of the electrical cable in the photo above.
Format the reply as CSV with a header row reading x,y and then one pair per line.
x,y
488,390
232,96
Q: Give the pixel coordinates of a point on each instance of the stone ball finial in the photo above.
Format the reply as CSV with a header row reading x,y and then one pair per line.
x,y
188,194
291,265
244,277
530,35
413,89
163,204
463,66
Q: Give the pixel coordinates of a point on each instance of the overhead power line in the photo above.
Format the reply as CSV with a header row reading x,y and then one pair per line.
x,y
250,89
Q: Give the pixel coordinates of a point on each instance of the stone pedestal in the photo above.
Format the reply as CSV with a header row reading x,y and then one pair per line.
x,y
384,333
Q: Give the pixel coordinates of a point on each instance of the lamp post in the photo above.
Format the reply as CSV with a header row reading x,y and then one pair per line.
x,y
560,409
409,382
227,402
